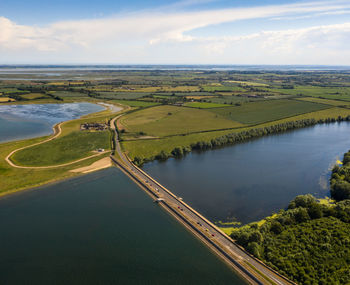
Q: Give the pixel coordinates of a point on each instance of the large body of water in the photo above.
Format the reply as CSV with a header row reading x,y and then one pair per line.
x,y
99,229
249,181
34,120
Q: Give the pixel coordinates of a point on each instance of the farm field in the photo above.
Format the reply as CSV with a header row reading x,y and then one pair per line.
x,y
325,101
204,105
260,112
163,121
148,149
172,109
135,103
339,93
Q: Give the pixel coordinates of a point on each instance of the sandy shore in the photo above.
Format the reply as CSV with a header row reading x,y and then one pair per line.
x,y
97,165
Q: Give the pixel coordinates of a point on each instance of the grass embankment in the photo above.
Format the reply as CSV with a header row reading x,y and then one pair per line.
x,y
74,146
148,149
15,179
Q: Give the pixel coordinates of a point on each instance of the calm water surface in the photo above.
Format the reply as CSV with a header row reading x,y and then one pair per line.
x,y
249,181
34,120
99,229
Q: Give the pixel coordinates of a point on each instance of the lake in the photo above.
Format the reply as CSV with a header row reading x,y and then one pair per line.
x,y
99,229
34,120
248,181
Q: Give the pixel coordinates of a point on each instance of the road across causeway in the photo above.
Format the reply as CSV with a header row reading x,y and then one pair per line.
x,y
251,269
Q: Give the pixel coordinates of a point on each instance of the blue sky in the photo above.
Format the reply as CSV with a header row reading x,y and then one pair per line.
x,y
175,32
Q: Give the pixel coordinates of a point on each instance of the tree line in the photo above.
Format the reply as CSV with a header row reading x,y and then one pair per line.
x,y
237,137
340,180
309,242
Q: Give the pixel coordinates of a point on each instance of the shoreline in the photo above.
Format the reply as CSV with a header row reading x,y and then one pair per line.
x,y
68,174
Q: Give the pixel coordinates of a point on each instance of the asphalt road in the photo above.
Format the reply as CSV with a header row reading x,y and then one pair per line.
x,y
241,260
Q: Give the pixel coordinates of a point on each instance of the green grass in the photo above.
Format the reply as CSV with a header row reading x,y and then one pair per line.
x,y
123,95
16,179
264,111
135,103
147,149
167,120
325,101
234,100
32,96
203,105
64,149
211,88
339,93
68,94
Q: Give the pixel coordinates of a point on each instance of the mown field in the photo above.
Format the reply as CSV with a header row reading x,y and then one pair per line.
x,y
147,149
70,147
204,105
163,121
340,93
325,101
260,112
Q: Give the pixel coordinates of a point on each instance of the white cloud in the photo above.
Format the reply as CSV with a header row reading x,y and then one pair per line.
x,y
148,34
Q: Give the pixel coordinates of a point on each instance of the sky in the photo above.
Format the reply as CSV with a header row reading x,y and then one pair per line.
x,y
273,32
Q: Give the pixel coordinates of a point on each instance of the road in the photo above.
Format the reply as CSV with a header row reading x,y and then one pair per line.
x,y
251,269
57,131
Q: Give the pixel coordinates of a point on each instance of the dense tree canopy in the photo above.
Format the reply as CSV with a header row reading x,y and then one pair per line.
x,y
309,242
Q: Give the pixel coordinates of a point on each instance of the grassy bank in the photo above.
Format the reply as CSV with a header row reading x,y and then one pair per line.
x,y
15,179
149,148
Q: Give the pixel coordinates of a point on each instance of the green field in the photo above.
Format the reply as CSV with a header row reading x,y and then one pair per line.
x,y
123,95
223,88
68,94
15,179
203,105
265,111
147,149
325,101
34,96
339,93
135,103
170,120
64,149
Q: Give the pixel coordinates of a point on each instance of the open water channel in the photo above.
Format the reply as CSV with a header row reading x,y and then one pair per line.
x,y
99,228
248,181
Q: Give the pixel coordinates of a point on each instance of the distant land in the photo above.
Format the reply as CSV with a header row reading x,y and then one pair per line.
x,y
181,67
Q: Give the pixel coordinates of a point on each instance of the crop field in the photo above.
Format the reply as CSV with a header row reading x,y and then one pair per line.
x,y
6,99
223,88
34,96
339,93
170,120
260,112
68,94
250,83
150,148
168,109
204,105
123,95
234,99
325,101
135,103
